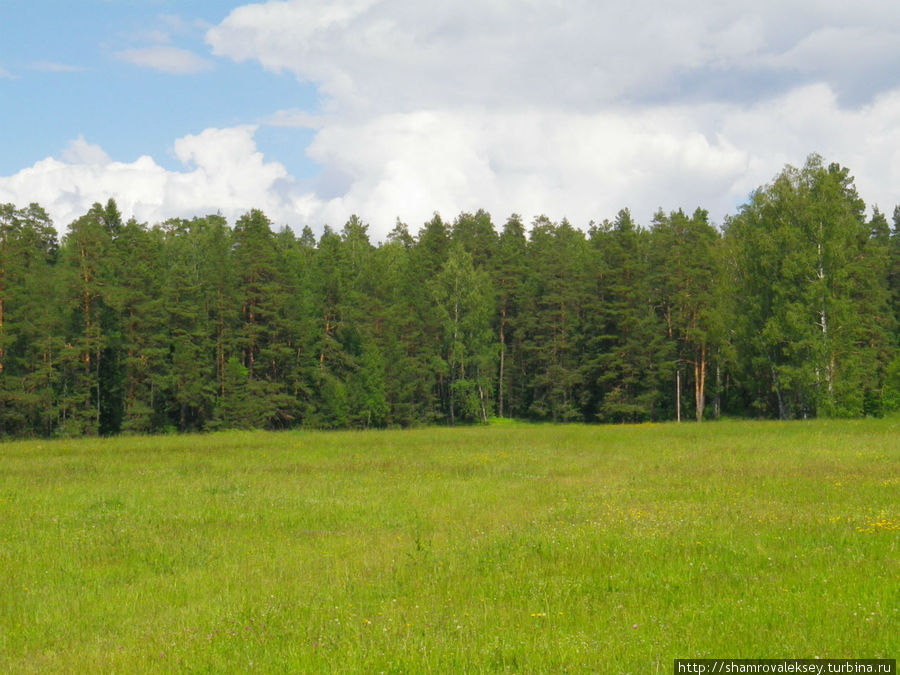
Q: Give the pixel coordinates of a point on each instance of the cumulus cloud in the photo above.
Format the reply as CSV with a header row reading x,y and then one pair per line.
x,y
572,109
80,151
586,166
166,59
402,55
223,172
865,139
583,166
578,109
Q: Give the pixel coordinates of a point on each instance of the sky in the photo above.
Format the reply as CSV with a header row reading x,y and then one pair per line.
x,y
396,109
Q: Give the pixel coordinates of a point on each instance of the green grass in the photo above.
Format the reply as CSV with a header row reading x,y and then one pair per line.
x,y
507,548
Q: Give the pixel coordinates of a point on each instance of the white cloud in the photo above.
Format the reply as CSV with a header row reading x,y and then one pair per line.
x,y
166,59
5,74
583,166
223,172
80,151
574,109
403,55
811,119
586,166
582,108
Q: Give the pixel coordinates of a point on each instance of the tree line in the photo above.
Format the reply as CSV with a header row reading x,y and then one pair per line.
x,y
789,309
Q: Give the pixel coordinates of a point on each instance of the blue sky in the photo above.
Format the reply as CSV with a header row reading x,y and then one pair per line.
x,y
315,110
68,79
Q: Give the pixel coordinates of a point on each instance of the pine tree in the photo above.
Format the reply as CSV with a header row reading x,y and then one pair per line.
x,y
477,236
427,259
91,398
625,341
134,299
263,347
552,320
687,261
509,274
29,328
186,389
409,381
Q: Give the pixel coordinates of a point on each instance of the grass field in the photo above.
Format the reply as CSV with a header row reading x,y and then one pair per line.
x,y
509,548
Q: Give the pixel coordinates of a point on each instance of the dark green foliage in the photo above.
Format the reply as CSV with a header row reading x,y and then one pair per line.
x,y
552,320
509,277
625,340
30,335
686,259
790,310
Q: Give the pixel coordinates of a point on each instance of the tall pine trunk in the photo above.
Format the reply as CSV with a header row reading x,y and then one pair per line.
x,y
700,381
502,355
678,393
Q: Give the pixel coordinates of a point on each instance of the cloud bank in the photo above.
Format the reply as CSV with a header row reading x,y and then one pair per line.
x,y
222,172
571,110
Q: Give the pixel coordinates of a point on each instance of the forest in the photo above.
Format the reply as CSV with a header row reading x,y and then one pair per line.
x,y
788,309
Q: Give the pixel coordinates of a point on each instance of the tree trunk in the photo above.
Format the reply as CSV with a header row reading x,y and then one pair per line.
x,y
823,322
251,357
2,290
678,393
782,411
717,401
502,355
700,381
452,410
220,343
322,352
1,334
98,387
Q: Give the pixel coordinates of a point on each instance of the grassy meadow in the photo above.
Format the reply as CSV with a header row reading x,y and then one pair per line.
x,y
507,548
